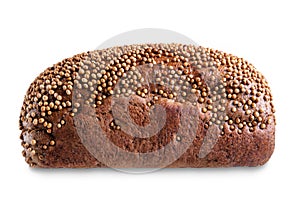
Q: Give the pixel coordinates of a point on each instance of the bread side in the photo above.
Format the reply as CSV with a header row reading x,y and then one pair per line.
x,y
235,121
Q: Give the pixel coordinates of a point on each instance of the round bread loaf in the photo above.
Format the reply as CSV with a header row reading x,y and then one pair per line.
x,y
158,105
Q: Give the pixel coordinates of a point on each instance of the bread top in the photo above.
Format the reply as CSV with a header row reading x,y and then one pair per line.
x,y
228,90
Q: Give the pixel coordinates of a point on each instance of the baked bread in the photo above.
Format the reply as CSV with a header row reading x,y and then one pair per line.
x,y
151,105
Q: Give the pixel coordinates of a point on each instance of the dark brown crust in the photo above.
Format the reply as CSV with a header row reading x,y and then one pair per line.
x,y
62,147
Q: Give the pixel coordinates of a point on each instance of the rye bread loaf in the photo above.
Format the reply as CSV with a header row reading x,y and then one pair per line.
x,y
152,105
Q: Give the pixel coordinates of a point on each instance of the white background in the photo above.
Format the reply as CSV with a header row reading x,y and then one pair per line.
x,y
35,35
